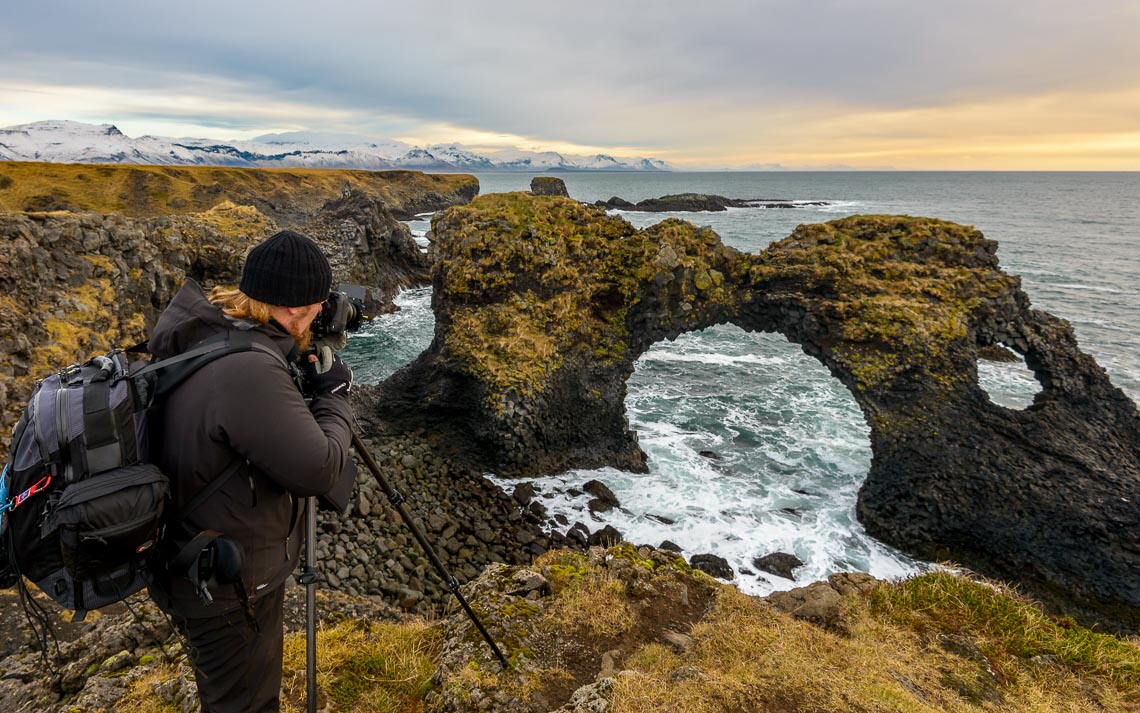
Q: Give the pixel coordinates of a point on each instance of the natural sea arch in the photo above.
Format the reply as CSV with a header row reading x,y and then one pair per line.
x,y
753,448
543,306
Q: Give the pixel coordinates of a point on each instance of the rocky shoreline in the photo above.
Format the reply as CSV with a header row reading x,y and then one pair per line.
x,y
542,307
697,202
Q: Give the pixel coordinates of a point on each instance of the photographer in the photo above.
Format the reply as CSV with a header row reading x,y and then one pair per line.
x,y
243,420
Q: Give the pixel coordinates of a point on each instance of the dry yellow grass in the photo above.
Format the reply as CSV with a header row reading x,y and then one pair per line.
x,y
365,667
932,643
749,657
593,605
149,191
141,696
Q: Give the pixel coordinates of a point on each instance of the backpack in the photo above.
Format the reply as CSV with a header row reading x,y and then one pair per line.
x,y
81,502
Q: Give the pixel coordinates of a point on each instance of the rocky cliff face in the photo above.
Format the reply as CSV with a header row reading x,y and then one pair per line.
x,y
94,272
543,306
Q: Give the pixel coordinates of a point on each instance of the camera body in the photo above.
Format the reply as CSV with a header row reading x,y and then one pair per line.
x,y
341,312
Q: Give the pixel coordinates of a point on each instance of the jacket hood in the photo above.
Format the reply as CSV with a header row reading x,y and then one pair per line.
x,y
190,318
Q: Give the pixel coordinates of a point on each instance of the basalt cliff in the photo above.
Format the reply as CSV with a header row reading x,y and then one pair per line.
x,y
89,255
543,305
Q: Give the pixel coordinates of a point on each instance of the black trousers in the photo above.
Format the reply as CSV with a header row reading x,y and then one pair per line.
x,y
238,669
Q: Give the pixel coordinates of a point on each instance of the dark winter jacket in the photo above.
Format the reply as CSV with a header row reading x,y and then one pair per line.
x,y
244,407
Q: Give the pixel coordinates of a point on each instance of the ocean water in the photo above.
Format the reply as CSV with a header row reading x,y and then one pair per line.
x,y
790,445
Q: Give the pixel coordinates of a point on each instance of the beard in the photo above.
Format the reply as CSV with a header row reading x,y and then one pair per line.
x,y
304,340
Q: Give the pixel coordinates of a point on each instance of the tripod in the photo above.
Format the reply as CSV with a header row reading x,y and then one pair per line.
x,y
309,574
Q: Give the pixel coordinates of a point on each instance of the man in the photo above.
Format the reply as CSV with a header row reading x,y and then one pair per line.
x,y
243,418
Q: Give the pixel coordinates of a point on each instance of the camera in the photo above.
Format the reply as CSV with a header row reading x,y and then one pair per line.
x,y
343,311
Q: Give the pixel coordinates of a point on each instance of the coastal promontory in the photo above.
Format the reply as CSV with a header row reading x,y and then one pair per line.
x,y
543,305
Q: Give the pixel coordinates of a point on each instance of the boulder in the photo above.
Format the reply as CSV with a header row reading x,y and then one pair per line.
x,y
817,603
599,490
712,565
523,493
548,186
604,537
780,564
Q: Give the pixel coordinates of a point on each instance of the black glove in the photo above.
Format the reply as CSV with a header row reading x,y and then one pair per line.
x,y
335,378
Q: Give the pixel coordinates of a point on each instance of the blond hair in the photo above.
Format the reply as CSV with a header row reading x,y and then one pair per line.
x,y
237,304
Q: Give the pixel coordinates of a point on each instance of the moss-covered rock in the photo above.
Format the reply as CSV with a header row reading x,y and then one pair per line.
x,y
543,305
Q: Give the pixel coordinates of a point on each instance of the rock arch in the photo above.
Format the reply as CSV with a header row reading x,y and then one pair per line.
x,y
543,305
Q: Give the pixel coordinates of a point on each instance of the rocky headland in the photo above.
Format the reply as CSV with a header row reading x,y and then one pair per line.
x,y
542,307
690,203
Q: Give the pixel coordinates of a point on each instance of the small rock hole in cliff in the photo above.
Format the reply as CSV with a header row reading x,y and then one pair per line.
x,y
1006,379
754,448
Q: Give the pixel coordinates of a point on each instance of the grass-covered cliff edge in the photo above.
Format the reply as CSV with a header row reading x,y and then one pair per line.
x,y
153,191
633,630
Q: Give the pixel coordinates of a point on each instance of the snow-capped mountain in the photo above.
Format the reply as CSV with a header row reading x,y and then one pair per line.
x,y
75,142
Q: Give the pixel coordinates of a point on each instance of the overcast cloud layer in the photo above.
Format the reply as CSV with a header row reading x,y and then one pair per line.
x,y
997,84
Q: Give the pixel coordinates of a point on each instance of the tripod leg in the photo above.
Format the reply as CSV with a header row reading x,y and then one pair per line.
x,y
309,579
397,501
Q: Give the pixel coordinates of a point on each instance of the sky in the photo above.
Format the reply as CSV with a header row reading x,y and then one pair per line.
x,y
709,84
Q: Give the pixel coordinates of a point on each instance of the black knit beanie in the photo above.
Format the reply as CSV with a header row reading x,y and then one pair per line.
x,y
287,270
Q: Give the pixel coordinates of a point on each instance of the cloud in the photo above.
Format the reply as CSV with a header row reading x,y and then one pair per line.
x,y
675,78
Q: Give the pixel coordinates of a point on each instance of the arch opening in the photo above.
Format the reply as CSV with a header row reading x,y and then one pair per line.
x,y
1005,377
754,448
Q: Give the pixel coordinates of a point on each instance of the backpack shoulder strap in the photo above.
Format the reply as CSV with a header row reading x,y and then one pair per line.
x,y
185,364
177,369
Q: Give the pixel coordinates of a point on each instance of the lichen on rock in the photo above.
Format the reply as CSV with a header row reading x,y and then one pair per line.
x,y
543,305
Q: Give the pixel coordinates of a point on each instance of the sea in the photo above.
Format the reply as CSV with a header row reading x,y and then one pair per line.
x,y
789,447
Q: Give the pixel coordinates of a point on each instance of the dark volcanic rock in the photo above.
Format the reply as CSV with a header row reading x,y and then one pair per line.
x,y
599,490
77,284
777,563
696,202
548,186
680,202
616,202
598,505
605,537
523,493
996,352
543,306
712,565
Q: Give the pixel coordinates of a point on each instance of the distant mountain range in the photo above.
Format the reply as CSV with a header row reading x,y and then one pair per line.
x,y
75,142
